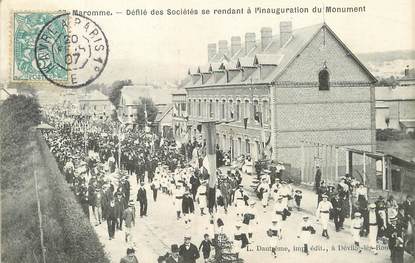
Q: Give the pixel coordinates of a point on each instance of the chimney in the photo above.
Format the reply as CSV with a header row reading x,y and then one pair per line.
x,y
223,47
266,37
235,45
249,42
286,30
211,51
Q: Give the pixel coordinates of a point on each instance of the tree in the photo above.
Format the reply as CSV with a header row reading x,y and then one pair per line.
x,y
116,88
146,104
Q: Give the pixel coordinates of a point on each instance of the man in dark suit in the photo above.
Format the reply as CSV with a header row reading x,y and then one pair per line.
x,y
111,219
174,257
409,207
142,198
188,251
337,212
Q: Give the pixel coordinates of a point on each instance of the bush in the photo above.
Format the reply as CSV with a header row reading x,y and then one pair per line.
x,y
68,235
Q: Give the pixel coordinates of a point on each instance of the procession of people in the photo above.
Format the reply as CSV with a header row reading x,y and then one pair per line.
x,y
99,166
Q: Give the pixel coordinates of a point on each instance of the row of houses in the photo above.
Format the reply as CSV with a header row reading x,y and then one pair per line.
x,y
299,96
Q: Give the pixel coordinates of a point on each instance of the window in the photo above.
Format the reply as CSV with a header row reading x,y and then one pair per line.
x,y
265,111
204,109
246,110
238,110
189,106
247,147
257,111
231,110
217,107
222,110
199,107
211,113
324,79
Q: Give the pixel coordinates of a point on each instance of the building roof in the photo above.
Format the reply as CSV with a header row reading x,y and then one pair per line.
x,y
162,112
5,93
95,95
410,75
279,56
132,93
394,93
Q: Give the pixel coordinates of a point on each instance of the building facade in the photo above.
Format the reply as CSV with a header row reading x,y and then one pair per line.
x,y
395,106
275,93
95,104
181,131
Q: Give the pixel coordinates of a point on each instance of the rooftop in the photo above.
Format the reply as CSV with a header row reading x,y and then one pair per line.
x,y
277,55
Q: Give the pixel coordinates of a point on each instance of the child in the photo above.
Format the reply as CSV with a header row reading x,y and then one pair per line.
x,y
357,223
298,195
274,233
205,245
306,231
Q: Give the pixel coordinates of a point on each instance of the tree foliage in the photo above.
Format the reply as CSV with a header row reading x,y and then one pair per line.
x,y
68,235
115,90
146,104
18,114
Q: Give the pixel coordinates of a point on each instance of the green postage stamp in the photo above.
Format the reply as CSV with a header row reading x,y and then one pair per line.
x,y
26,27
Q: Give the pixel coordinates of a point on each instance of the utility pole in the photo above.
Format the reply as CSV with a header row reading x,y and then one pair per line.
x,y
39,212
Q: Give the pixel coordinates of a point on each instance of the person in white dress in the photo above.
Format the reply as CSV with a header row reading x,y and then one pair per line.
x,y
177,199
357,223
265,190
373,228
323,212
201,197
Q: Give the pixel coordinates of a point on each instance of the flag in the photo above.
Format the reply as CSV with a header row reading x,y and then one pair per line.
x,y
210,132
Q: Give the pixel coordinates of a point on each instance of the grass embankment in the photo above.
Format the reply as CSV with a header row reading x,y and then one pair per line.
x,y
68,236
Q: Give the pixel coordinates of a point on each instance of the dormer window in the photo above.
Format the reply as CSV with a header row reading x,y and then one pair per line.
x,y
324,79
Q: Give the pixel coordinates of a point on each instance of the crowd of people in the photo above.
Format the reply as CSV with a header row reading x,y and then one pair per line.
x,y
98,165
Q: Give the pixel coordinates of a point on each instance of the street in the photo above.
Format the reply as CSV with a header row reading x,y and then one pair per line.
x,y
154,234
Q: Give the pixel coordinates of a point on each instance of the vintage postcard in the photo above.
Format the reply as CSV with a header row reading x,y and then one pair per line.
x,y
207,131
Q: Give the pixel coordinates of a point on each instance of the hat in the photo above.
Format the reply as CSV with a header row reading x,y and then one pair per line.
x,y
252,202
274,219
187,236
174,248
277,179
357,214
324,196
393,219
266,171
279,197
298,191
238,224
372,206
305,216
381,197
131,203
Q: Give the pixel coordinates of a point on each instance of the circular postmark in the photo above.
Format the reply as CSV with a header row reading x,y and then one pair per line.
x,y
71,51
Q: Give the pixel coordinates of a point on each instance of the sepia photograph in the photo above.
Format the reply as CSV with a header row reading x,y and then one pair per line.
x,y
207,131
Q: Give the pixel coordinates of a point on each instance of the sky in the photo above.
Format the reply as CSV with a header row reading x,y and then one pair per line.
x,y
164,47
